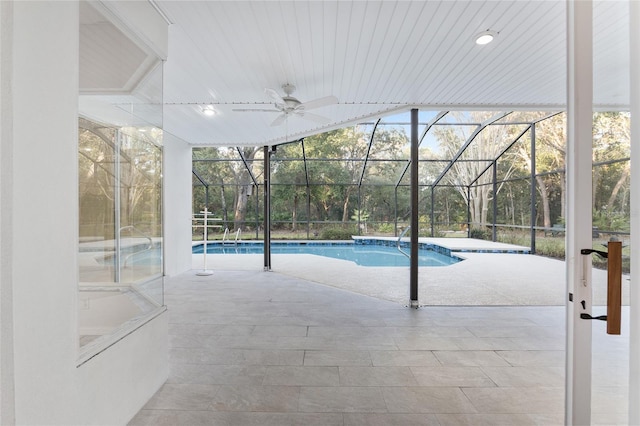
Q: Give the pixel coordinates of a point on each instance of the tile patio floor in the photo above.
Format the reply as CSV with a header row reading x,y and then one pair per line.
x,y
249,347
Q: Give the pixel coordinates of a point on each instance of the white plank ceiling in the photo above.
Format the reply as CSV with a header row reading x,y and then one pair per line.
x,y
376,57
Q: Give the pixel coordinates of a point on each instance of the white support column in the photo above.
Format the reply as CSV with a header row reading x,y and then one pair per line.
x,y
634,328
176,202
579,220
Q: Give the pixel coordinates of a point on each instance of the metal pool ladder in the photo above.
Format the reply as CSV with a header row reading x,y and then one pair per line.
x,y
398,242
226,235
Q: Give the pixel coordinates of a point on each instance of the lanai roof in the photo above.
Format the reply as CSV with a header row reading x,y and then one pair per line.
x,y
375,57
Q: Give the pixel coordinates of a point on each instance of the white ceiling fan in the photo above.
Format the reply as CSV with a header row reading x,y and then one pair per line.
x,y
288,105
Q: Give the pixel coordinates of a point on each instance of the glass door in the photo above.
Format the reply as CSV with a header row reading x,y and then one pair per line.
x,y
611,174
598,227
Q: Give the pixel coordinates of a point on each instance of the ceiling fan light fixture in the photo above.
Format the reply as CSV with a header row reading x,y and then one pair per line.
x,y
485,37
209,110
289,106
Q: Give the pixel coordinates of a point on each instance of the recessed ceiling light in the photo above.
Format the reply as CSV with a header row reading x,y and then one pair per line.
x,y
485,37
209,111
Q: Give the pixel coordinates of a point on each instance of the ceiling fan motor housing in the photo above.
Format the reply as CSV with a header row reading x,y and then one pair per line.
x,y
290,103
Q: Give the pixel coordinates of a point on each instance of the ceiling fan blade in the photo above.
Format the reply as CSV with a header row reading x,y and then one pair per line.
x,y
314,117
254,110
318,103
275,96
279,120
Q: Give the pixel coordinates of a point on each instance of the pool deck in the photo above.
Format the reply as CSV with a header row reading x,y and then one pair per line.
x,y
492,274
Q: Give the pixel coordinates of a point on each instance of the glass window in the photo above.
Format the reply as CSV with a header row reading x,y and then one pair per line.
x,y
120,233
120,187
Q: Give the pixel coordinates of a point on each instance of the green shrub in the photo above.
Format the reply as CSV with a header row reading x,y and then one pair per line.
x,y
386,228
480,234
515,237
554,248
337,233
550,247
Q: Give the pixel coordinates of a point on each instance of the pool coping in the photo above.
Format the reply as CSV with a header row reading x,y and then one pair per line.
x,y
449,245
446,246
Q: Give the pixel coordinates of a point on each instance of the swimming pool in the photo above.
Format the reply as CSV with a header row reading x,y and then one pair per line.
x,y
361,254
146,257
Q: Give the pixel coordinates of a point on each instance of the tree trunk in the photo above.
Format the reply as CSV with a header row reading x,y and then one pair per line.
x,y
485,203
616,189
513,208
477,208
563,186
594,190
345,206
241,208
544,195
223,203
244,183
447,211
294,213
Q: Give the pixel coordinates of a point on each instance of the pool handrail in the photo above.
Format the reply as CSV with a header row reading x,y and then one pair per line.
x,y
398,242
142,234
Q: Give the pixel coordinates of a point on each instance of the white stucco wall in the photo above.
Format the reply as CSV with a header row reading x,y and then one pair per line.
x,y
39,194
177,205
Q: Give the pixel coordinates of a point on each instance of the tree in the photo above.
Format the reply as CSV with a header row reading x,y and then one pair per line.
x,y
361,216
611,141
483,149
138,183
551,141
207,164
344,171
347,147
244,185
289,183
550,156
236,174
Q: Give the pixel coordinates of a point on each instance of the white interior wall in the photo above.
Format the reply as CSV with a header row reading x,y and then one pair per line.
x,y
39,195
177,205
44,208
7,408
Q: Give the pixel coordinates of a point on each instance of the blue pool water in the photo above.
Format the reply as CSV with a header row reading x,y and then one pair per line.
x,y
364,255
